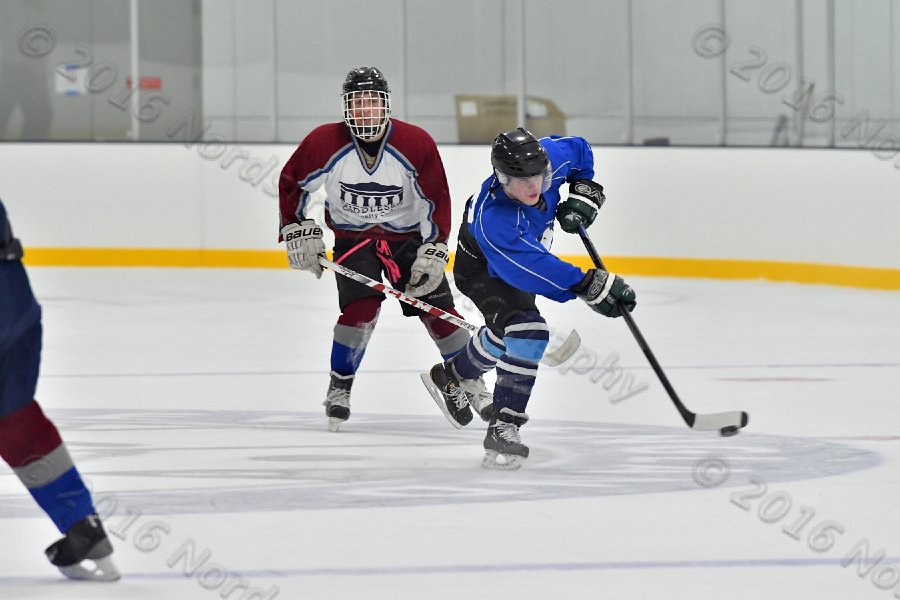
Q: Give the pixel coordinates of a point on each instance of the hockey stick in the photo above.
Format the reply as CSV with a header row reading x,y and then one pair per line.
x,y
727,423
552,358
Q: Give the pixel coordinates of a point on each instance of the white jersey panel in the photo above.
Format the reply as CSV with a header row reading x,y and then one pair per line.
x,y
387,196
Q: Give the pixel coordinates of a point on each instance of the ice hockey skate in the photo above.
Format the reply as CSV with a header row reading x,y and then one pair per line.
x,y
503,448
337,402
85,553
480,399
450,397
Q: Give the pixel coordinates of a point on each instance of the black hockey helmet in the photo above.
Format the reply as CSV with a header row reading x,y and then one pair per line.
x,y
364,79
518,153
368,87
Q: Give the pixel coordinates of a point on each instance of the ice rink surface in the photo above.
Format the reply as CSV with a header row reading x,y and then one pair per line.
x,y
191,401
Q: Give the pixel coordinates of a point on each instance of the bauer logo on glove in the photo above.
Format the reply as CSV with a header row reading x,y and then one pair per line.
x,y
304,246
437,252
314,231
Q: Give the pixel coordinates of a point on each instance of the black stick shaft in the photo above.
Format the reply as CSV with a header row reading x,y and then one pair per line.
x,y
687,415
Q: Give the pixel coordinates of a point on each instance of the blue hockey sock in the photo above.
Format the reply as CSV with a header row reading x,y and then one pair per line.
x,y
479,355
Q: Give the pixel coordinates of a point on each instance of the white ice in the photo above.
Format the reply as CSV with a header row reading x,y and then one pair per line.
x,y
191,401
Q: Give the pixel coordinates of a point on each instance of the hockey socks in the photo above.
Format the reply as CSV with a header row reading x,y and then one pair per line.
x,y
479,356
516,358
351,334
31,445
450,339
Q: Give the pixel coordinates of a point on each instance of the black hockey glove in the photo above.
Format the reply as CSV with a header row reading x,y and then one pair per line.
x,y
580,208
603,290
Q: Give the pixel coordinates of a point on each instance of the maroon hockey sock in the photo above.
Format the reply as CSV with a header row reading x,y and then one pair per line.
x,y
27,435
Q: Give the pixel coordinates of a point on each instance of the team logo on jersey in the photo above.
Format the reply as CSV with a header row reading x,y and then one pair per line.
x,y
370,200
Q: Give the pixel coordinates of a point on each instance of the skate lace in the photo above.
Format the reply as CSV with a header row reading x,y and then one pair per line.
x,y
459,396
477,393
338,397
508,432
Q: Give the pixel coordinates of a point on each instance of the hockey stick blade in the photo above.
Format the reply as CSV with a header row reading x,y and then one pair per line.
x,y
554,358
718,421
735,420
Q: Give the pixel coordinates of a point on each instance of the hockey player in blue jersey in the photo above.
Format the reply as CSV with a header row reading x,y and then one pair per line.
x,y
503,262
29,441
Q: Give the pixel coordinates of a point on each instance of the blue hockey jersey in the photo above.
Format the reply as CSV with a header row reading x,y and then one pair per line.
x,y
515,239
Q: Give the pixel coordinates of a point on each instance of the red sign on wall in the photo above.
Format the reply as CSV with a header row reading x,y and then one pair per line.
x,y
147,83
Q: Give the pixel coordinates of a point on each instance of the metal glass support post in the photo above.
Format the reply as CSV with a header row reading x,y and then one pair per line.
x,y
134,134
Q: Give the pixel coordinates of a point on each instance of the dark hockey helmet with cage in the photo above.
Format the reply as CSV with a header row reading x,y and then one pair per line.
x,y
364,79
519,154
368,85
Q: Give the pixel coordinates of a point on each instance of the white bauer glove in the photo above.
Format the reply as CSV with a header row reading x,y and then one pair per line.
x,y
304,246
427,270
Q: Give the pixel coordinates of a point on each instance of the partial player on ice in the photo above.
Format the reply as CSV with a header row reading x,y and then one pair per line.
x,y
29,442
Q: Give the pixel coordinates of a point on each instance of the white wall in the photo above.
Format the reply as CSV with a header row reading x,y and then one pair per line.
x,y
836,207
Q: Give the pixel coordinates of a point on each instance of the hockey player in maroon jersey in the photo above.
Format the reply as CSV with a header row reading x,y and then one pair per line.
x,y
388,204
29,442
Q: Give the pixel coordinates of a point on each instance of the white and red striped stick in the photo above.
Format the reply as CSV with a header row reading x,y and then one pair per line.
x,y
553,358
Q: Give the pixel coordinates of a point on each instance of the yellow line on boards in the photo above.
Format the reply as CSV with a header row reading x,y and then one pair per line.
x,y
154,257
809,273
